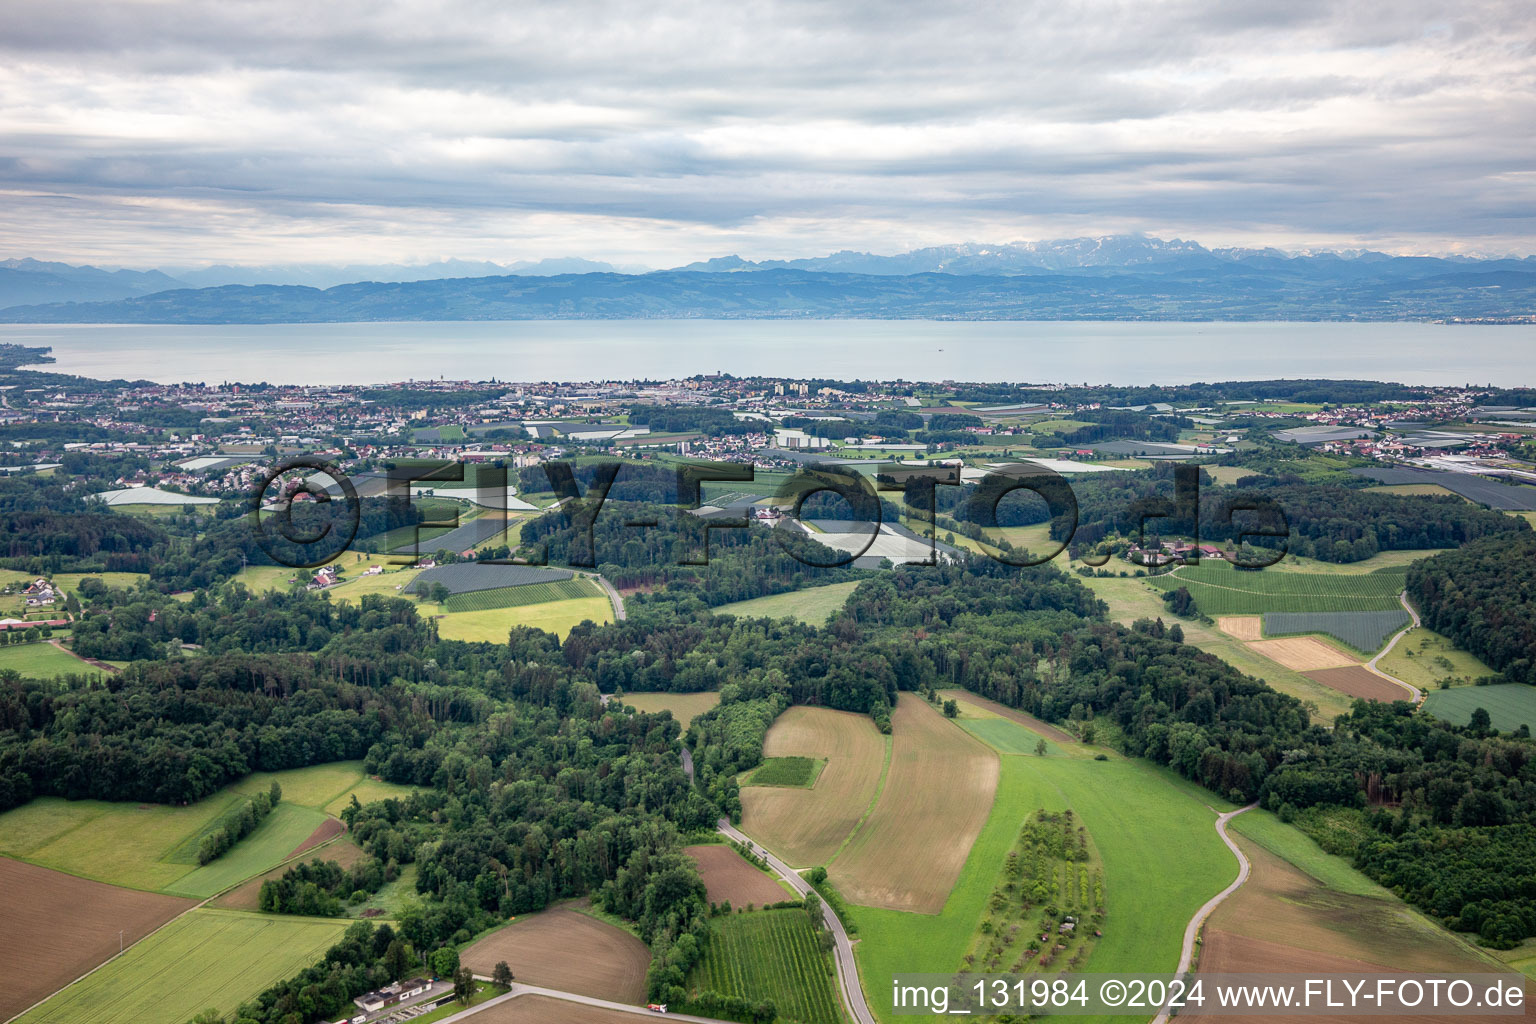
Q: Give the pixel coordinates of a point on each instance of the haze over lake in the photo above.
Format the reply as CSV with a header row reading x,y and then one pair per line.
x,y
1044,352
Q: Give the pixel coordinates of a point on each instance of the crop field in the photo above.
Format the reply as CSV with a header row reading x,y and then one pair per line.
x,y
770,954
563,948
685,707
807,826
1364,631
1303,653
1424,657
1242,627
1509,705
247,895
551,616
1285,919
975,706
728,876
206,958
1161,856
274,840
154,847
1359,681
531,1009
1132,599
812,606
516,597
1220,589
367,791
42,660
54,927
787,771
464,577
937,795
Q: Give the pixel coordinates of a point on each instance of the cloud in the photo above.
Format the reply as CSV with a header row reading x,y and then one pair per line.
x,y
149,132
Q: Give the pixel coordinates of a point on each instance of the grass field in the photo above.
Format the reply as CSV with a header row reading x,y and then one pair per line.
x,y
515,597
552,616
1162,860
563,948
54,927
207,958
1426,490
154,847
799,772
389,584
1509,705
807,826
1424,657
813,606
1132,599
274,839
936,798
685,707
1220,589
773,955
1295,847
42,660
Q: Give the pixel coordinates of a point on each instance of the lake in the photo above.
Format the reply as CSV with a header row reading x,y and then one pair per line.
x,y
576,350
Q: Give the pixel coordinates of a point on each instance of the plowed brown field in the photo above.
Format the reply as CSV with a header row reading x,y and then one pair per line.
x,y
55,927
728,877
565,949
1358,681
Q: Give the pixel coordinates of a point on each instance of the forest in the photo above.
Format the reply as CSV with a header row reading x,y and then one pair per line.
x,y
1480,597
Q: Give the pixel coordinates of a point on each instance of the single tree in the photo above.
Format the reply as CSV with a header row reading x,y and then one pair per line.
x,y
463,985
1040,748
951,709
445,962
502,974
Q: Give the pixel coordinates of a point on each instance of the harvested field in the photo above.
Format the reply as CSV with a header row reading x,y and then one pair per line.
x,y
323,833
807,826
727,876
57,927
247,895
1243,627
544,1010
565,949
1358,681
937,796
1303,653
685,707
1284,920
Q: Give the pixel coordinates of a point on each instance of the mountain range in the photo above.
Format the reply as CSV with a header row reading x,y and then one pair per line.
x,y
1114,277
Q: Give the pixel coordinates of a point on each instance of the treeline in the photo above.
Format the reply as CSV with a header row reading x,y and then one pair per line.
x,y
1327,522
1480,597
713,421
322,888
237,824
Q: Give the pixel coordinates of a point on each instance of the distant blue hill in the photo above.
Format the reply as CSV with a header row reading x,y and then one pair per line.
x,y
1115,278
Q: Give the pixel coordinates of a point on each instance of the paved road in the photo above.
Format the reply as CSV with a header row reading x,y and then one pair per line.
x,y
519,990
842,949
688,765
614,597
1192,929
1418,694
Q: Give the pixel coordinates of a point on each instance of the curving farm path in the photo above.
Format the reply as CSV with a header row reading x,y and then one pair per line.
x,y
1192,930
519,989
1418,694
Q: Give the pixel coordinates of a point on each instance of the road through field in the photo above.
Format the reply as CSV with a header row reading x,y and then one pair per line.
x,y
1192,929
1418,694
842,949
614,597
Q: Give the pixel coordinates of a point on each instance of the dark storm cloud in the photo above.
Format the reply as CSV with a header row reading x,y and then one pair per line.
x,y
238,131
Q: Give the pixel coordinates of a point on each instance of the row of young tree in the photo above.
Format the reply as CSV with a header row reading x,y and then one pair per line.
x,y
237,824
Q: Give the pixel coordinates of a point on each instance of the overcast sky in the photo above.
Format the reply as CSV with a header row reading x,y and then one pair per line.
x,y
326,131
